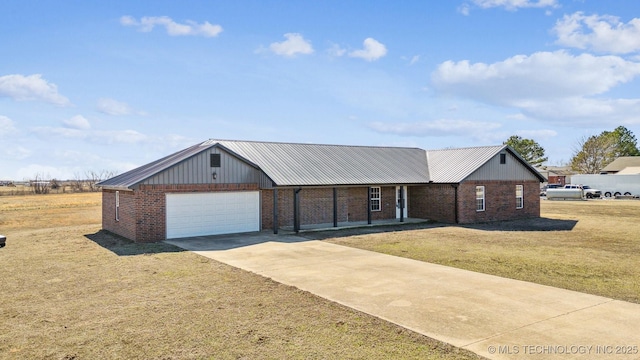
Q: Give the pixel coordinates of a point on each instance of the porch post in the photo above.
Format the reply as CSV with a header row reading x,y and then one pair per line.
x,y
401,200
335,207
275,210
369,205
455,207
296,210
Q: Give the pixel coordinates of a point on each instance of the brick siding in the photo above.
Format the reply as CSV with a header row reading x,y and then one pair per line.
x,y
126,225
434,202
437,201
143,211
316,206
500,201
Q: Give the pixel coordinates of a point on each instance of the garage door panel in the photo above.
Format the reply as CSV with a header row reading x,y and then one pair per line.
x,y
198,214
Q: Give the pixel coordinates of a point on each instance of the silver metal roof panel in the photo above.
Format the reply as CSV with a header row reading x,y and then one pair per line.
x,y
289,164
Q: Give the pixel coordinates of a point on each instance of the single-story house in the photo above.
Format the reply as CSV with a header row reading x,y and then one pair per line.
x,y
557,174
222,186
623,165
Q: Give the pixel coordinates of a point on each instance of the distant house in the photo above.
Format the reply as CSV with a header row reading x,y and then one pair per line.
x,y
623,165
557,174
221,187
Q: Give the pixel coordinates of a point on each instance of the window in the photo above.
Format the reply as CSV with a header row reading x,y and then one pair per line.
x,y
519,196
479,198
503,159
375,199
117,205
215,160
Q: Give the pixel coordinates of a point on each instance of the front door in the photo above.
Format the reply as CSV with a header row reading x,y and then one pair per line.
x,y
401,193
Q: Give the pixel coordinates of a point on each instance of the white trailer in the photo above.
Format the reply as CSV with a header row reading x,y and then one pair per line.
x,y
565,194
611,184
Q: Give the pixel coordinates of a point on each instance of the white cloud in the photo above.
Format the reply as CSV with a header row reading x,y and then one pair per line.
x,y
147,23
93,136
17,152
579,111
78,122
464,9
550,86
295,44
373,50
49,132
522,80
542,134
114,107
442,127
6,126
600,33
119,136
336,51
32,87
512,5
46,171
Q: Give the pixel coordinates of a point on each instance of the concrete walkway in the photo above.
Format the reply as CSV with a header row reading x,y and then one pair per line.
x,y
495,317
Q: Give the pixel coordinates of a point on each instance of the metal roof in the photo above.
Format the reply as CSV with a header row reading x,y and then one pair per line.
x,y
455,165
621,163
132,177
292,164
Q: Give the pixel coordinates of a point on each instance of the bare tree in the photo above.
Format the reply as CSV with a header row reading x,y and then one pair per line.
x,y
94,177
40,185
78,183
593,153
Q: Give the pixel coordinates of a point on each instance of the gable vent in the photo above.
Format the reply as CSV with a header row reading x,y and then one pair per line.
x,y
215,160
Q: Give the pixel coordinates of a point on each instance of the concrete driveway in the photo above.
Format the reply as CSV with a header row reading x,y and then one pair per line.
x,y
492,316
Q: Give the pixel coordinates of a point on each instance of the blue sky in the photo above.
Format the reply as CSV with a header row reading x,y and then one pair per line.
x,y
96,85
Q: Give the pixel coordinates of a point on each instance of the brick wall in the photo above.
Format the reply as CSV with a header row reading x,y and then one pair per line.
x,y
316,206
500,201
126,226
143,211
434,202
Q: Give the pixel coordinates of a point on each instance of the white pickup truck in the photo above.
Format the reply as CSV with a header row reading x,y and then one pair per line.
x,y
589,192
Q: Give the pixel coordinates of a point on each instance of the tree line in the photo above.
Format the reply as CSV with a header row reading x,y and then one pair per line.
x,y
591,153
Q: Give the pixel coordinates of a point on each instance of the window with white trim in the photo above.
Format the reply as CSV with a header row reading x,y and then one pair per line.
x,y
117,205
519,196
479,198
375,199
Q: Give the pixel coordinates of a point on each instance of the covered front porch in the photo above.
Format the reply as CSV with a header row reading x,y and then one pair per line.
x,y
322,208
353,224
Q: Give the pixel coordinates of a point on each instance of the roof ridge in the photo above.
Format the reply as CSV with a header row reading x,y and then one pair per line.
x,y
470,147
213,141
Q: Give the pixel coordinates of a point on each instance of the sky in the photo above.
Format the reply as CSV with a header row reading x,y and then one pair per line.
x,y
112,85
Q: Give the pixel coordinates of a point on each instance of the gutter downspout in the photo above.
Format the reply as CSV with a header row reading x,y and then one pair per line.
x,y
275,210
455,190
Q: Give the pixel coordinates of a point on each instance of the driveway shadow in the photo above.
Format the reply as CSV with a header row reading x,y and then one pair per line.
x,y
328,234
233,241
125,247
535,224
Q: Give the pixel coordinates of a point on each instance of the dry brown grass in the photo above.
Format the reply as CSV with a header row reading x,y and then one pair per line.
x,y
70,291
587,246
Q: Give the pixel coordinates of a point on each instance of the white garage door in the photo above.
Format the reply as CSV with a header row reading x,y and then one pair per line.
x,y
225,212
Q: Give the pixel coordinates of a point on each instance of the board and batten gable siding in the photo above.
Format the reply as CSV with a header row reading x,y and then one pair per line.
x,y
198,170
513,169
